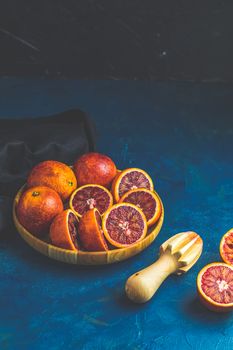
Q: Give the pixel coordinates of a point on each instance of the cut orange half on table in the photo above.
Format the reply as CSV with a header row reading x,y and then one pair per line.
x,y
215,286
226,247
124,224
130,179
147,201
91,233
64,230
89,197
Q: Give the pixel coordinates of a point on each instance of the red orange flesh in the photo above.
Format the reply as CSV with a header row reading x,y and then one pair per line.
x,y
146,200
215,286
226,247
90,196
124,224
130,179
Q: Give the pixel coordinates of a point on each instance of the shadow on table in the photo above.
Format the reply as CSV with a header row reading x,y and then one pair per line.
x,y
11,241
124,303
195,309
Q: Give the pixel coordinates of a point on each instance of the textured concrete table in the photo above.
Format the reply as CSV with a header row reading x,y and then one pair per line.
x,y
182,135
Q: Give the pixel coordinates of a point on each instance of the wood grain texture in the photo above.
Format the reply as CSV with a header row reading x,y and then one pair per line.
x,y
83,257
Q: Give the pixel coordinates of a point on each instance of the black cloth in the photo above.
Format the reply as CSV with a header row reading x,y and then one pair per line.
x,y
26,142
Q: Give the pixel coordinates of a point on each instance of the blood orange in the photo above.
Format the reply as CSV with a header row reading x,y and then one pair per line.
x,y
215,286
37,208
64,230
94,168
130,179
90,231
226,247
90,196
146,200
124,224
56,175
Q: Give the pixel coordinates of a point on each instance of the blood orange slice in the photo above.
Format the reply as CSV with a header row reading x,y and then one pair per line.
x,y
64,230
215,286
124,224
89,197
130,179
146,200
226,247
90,231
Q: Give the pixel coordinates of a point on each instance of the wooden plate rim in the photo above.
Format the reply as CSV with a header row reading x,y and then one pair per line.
x,y
49,248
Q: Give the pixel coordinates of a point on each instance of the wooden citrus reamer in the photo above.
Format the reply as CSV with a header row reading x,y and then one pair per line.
x,y
177,255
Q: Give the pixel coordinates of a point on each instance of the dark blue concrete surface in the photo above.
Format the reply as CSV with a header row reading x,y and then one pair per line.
x,y
182,135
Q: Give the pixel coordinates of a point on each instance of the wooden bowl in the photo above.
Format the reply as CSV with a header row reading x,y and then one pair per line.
x,y
83,257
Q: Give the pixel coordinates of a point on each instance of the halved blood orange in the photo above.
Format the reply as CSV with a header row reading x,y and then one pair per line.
x,y
146,200
130,179
64,230
226,247
90,231
124,224
215,286
89,197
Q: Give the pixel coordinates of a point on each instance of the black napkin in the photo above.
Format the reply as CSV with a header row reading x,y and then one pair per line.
x,y
26,142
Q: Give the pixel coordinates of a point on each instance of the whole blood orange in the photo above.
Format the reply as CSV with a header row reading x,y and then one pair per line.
x,y
64,230
37,207
90,196
130,179
94,168
90,231
56,175
226,247
146,200
124,224
215,286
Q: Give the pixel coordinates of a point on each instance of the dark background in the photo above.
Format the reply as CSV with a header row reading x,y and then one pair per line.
x,y
179,130
106,39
